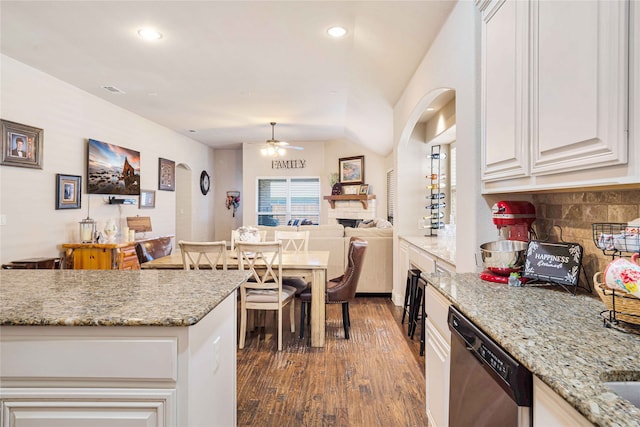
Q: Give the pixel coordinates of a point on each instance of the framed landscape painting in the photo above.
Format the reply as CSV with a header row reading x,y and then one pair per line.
x,y
112,169
351,170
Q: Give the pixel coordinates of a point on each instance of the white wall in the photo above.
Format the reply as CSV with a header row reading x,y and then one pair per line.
x,y
451,62
228,177
69,117
321,159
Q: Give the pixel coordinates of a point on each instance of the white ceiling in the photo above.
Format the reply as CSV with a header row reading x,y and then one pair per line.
x,y
225,69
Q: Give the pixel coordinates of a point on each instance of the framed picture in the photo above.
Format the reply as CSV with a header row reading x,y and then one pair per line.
x,y
350,190
166,175
147,199
351,170
112,169
364,189
21,145
68,191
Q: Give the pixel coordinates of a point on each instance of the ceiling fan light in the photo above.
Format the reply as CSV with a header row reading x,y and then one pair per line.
x,y
271,151
281,151
337,32
149,34
263,151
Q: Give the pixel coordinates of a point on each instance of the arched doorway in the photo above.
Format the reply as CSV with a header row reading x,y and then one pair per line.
x,y
183,202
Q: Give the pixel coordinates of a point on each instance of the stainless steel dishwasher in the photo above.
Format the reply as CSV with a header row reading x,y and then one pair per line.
x,y
488,387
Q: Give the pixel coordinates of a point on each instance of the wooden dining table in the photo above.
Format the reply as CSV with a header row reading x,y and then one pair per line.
x,y
307,263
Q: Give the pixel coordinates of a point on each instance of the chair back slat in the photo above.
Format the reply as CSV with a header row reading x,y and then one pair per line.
x,y
264,260
293,241
195,254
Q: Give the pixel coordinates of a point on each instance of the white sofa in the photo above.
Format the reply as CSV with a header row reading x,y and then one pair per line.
x,y
377,272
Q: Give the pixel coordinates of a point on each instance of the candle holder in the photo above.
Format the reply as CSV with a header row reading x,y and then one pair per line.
x,y
87,230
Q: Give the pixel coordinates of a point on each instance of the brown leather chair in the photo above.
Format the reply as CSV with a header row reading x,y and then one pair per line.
x,y
340,289
148,250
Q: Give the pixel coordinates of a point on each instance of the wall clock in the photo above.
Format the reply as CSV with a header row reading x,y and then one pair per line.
x,y
204,182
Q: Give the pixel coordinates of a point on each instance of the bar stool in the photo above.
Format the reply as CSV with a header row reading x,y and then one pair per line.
x,y
412,281
419,312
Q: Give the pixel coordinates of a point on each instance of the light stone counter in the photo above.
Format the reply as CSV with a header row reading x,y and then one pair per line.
x,y
150,346
112,298
559,337
441,247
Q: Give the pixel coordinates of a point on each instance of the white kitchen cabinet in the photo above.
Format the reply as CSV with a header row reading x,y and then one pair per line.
x,y
505,151
550,409
578,85
121,375
555,95
437,358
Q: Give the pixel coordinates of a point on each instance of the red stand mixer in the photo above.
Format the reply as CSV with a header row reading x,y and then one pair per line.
x,y
503,257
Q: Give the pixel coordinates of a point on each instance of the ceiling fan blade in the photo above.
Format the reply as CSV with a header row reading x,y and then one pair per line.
x,y
294,147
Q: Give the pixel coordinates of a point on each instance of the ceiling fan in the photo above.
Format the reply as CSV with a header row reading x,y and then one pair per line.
x,y
275,147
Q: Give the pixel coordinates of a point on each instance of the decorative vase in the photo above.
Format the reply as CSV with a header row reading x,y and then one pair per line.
x,y
110,230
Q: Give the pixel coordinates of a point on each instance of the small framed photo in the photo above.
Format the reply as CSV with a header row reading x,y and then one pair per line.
x,y
350,190
21,145
166,175
147,199
68,191
364,189
351,170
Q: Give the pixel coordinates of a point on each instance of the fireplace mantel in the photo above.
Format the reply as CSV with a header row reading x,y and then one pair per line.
x,y
363,198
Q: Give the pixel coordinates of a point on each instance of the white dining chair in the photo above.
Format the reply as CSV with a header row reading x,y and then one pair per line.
x,y
195,253
294,242
264,289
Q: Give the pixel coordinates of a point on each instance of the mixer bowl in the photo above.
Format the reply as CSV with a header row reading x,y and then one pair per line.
x,y
503,256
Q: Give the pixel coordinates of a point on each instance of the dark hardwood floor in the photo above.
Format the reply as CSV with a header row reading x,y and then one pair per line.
x,y
376,378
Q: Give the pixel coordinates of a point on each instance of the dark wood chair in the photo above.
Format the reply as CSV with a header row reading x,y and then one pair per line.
x,y
340,290
34,264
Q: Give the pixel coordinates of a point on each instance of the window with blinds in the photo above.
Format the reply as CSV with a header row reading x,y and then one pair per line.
x,y
281,200
391,194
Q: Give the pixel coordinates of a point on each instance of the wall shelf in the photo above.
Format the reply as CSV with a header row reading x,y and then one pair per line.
x,y
363,198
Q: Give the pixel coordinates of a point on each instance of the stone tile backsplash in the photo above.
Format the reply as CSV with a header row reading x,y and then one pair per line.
x,y
569,216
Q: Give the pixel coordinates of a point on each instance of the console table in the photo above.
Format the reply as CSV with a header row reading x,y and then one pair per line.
x,y
102,256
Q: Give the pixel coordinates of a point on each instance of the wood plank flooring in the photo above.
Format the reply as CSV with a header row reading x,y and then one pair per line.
x,y
376,378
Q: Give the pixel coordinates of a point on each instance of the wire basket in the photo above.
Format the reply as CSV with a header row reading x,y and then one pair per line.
x,y
621,305
616,239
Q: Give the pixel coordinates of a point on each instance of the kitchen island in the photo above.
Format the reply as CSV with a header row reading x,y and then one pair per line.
x,y
560,338
124,347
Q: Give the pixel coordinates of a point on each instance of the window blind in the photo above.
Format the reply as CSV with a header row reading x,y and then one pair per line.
x,y
281,200
391,194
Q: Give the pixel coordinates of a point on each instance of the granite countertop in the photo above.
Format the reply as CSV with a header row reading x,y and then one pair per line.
x,y
558,337
112,298
442,247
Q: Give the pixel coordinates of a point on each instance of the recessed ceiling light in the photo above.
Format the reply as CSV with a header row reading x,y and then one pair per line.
x,y
337,32
149,34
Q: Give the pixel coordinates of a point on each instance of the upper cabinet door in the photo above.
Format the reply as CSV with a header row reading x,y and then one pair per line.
x,y
579,86
505,152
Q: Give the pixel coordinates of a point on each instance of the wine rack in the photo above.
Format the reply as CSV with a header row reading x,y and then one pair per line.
x,y
436,199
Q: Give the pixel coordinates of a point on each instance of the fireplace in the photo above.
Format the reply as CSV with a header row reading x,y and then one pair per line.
x,y
348,222
350,210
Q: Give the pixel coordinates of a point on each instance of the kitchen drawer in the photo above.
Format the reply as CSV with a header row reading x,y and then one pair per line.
x,y
422,260
89,358
437,308
71,407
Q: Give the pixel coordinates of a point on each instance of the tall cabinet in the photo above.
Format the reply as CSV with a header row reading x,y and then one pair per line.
x,y
555,94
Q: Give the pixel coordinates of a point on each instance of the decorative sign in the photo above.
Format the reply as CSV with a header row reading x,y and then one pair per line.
x,y
553,262
288,164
